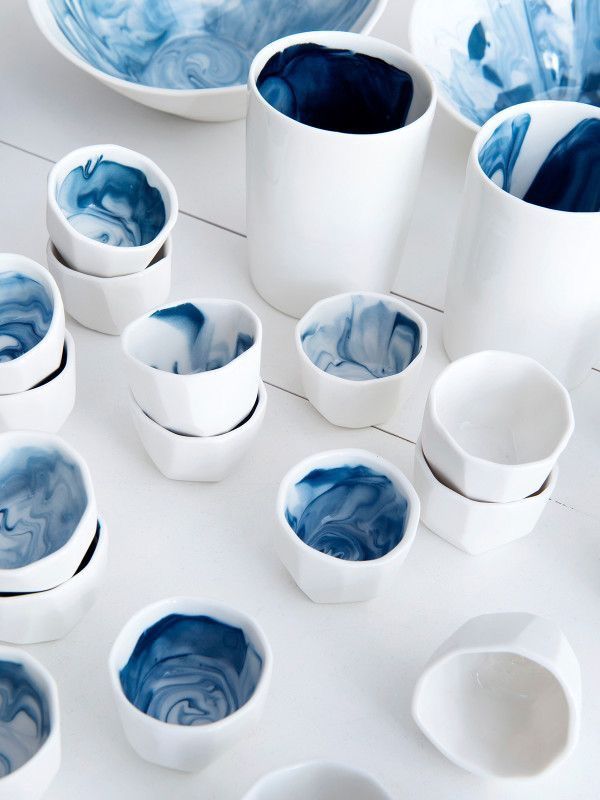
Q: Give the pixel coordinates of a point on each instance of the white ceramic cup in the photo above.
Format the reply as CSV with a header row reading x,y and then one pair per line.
x,y
328,212
523,277
317,780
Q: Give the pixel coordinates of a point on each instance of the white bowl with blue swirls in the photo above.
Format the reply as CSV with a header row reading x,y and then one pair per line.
x,y
186,57
347,520
360,356
317,780
190,679
29,726
109,210
486,55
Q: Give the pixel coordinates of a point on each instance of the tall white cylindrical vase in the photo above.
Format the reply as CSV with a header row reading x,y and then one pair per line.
x,y
328,212
525,277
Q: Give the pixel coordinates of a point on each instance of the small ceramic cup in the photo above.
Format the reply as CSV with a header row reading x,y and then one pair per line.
x,y
190,678
346,522
29,760
360,356
502,696
198,458
317,780
109,210
49,511
32,324
194,365
108,305
50,615
494,426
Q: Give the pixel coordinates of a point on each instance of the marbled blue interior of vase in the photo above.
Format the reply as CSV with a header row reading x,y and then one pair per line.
x,y
112,203
42,500
24,717
336,90
569,176
26,310
367,340
348,512
190,44
191,670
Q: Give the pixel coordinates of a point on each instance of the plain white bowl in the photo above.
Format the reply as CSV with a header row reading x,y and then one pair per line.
x,y
360,356
317,780
495,424
50,496
502,696
108,305
189,747
35,686
96,257
43,358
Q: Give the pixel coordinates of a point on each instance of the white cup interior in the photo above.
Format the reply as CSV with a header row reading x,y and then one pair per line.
x,y
317,781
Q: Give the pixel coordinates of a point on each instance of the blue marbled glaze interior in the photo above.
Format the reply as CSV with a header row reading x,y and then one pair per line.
x,y
112,203
42,500
191,670
26,309
190,44
370,339
24,717
348,512
336,90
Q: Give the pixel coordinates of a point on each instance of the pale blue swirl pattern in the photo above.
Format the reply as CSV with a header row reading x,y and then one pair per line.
x,y
26,310
191,670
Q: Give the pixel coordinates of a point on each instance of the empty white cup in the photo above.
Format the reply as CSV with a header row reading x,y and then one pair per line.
x,y
317,780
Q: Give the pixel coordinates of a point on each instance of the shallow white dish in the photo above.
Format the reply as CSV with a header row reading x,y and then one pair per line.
x,y
317,780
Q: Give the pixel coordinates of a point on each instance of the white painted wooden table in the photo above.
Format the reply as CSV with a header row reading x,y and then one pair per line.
x,y
343,675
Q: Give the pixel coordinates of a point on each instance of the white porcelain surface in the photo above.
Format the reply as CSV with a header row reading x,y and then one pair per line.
x,y
495,425
310,232
96,257
317,780
502,696
108,305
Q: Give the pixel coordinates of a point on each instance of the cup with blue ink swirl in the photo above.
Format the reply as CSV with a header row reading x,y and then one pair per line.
x,y
317,780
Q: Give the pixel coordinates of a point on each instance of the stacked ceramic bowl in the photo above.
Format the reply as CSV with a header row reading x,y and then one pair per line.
x,y
494,426
110,212
197,399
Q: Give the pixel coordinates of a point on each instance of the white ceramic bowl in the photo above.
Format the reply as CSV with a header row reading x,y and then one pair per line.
x,y
30,764
502,696
203,76
32,324
472,525
317,780
52,614
172,630
346,522
108,305
49,511
494,426
194,365
198,458
133,209
46,406
360,356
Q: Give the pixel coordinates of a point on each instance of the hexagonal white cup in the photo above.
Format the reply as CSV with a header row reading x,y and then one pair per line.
x,y
317,780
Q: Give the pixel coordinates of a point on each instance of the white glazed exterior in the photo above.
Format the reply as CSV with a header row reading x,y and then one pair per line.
x,y
507,251
310,232
357,404
59,566
324,578
476,477
181,747
51,615
97,258
43,408
197,458
108,305
525,635
29,369
203,403
31,780
473,526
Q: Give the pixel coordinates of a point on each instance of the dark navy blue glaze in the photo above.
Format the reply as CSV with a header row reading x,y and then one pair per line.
x,y
499,154
26,310
112,203
351,513
336,90
191,670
